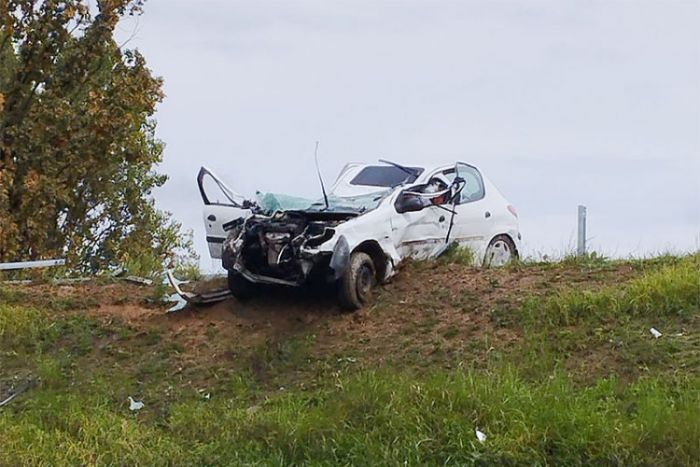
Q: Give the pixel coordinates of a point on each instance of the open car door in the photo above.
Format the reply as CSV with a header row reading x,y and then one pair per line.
x,y
221,207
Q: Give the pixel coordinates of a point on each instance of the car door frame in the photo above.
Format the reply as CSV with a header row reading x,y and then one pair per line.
x,y
473,220
218,215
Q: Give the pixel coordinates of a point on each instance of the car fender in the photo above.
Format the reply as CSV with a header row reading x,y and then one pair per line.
x,y
373,226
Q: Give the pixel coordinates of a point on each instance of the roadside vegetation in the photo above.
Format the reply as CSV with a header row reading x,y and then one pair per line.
x,y
553,362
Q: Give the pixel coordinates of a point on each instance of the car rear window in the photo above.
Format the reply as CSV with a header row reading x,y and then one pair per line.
x,y
385,176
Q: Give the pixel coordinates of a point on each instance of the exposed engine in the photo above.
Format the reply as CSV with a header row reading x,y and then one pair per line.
x,y
275,246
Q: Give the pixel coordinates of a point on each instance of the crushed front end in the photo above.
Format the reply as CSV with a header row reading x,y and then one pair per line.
x,y
282,248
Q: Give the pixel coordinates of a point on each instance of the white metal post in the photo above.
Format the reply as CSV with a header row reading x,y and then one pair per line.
x,y
581,248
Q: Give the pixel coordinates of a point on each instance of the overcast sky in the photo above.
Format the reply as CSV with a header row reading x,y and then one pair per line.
x,y
560,102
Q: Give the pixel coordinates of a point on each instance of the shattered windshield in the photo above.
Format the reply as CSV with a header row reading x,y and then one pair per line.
x,y
273,202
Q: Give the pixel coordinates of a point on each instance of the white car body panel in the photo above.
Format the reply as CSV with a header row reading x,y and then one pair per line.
x,y
418,234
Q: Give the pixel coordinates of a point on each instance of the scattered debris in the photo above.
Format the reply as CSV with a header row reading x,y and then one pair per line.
x,y
252,409
118,272
32,264
135,405
138,280
347,359
197,298
19,282
481,436
655,332
207,396
180,302
19,390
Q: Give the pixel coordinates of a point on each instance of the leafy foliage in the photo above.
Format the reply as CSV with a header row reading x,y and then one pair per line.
x,y
77,138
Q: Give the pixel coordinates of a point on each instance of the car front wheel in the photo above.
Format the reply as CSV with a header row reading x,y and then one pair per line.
x,y
355,286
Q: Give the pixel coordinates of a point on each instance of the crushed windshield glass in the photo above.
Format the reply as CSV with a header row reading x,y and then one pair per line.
x,y
385,176
272,202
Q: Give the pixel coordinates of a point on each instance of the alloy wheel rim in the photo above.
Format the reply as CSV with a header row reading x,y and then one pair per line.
x,y
499,253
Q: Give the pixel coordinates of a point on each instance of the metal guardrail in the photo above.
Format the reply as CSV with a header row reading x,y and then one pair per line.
x,y
32,264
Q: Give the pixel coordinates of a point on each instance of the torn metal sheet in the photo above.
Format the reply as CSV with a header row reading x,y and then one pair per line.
x,y
197,298
32,264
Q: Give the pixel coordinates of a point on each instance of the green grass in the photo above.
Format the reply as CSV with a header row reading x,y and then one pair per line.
x,y
581,383
670,291
456,254
375,417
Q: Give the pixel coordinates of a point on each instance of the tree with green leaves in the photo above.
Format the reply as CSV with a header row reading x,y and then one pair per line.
x,y
77,138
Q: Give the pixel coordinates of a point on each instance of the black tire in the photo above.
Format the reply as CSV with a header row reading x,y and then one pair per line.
x,y
240,287
500,244
355,286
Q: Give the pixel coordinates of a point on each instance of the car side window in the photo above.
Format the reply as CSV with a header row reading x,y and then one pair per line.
x,y
474,187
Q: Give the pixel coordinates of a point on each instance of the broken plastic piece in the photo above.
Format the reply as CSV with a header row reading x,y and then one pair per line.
x,y
655,332
135,405
180,302
481,436
138,280
201,298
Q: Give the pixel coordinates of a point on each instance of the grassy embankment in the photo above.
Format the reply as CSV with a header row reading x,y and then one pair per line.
x,y
563,373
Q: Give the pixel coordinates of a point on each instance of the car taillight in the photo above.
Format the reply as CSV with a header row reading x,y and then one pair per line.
x,y
512,210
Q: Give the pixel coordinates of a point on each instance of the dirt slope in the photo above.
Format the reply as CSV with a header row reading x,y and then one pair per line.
x,y
429,315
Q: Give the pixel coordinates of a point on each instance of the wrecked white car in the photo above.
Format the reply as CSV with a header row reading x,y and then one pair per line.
x,y
373,217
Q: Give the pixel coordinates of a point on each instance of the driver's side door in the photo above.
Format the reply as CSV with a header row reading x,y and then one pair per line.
x,y
419,234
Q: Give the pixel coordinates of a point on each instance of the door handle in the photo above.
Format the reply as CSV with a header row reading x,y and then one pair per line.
x,y
487,214
211,217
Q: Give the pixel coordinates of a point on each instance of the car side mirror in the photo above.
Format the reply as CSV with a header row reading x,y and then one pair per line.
x,y
407,202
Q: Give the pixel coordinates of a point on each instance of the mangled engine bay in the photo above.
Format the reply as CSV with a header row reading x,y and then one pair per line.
x,y
281,248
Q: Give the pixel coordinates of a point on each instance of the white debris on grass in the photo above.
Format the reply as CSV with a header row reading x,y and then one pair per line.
x,y
180,302
480,435
138,280
135,405
655,332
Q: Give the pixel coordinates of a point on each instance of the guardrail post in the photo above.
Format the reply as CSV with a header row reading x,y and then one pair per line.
x,y
581,247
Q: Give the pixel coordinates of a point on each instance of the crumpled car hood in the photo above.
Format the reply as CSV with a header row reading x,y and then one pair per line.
x,y
270,203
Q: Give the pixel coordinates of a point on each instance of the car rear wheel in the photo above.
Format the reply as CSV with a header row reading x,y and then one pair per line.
x,y
240,287
355,286
501,251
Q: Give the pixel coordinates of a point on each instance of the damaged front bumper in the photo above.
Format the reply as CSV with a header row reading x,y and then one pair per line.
x,y
287,248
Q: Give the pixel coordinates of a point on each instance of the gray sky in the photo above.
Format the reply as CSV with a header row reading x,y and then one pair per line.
x,y
559,102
